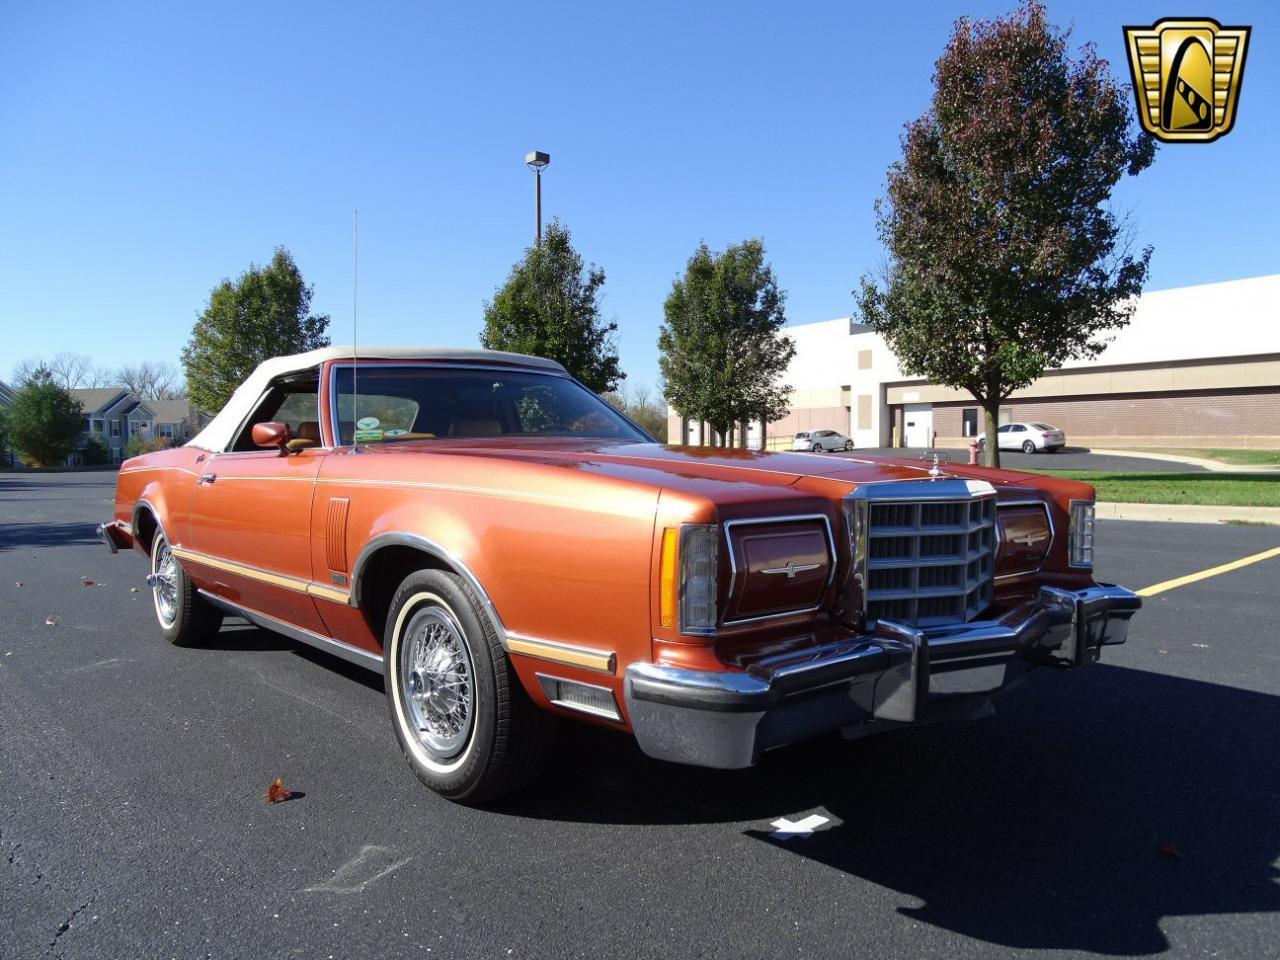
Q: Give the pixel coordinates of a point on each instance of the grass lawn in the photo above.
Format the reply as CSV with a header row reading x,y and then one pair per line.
x,y
1216,489
1265,457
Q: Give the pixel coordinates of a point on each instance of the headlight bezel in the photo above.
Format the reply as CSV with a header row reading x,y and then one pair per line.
x,y
698,560
1080,534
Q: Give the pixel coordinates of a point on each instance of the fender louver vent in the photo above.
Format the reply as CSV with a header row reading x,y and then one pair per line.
x,y
335,534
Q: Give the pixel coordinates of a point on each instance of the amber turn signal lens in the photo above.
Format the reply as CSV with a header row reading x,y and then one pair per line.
x,y
668,588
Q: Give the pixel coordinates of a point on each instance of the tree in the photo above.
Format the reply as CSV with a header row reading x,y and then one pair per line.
x,y
45,421
151,381
549,308
137,445
265,313
94,451
73,370
638,404
721,348
1003,259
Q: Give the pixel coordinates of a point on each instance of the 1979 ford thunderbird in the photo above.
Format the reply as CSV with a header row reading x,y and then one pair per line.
x,y
506,548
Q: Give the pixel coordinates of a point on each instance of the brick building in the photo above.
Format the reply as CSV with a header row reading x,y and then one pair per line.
x,y
1197,366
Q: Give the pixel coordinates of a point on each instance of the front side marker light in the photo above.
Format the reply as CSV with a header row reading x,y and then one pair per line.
x,y
668,590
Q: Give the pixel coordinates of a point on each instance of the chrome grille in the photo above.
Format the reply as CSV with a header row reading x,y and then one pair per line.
x,y
930,562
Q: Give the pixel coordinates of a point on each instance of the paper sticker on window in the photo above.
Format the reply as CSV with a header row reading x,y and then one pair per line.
x,y
397,432
367,436
368,423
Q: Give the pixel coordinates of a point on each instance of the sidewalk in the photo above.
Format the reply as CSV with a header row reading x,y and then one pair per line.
x,y
1186,513
1216,466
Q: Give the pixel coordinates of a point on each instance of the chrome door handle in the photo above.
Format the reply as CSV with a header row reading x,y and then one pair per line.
x,y
207,478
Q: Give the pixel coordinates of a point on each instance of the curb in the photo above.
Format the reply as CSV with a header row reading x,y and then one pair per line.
x,y
1215,466
1185,513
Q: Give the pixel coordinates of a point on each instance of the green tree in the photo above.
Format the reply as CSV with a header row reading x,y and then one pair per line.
x,y
4,435
45,421
638,404
265,313
721,348
549,307
94,451
1004,260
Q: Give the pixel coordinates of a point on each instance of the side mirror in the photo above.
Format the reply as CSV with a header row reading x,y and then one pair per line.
x,y
272,434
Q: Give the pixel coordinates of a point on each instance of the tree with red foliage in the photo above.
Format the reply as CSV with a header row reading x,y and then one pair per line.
x,y
1003,258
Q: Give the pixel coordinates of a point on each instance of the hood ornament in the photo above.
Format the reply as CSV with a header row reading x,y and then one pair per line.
x,y
938,458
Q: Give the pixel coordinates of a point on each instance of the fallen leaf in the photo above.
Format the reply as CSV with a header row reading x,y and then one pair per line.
x,y
133,589
51,620
1162,652
1170,849
18,584
276,793
87,582
1202,646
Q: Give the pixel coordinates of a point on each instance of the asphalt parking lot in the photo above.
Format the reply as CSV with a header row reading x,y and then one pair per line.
x,y
1128,809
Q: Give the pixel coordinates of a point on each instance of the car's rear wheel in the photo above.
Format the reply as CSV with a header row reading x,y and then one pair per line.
x,y
1028,446
816,448
465,725
186,619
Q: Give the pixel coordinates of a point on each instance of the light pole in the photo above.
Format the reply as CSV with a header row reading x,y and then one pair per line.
x,y
536,160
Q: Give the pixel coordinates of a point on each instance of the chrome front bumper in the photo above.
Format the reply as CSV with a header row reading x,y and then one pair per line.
x,y
896,673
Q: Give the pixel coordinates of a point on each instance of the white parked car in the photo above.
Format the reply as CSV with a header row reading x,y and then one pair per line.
x,y
1027,437
821,440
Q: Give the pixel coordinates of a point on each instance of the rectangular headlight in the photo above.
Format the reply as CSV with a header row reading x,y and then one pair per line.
x,y
699,568
1081,534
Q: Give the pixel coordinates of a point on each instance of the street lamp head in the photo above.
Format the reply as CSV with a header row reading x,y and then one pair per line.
x,y
536,160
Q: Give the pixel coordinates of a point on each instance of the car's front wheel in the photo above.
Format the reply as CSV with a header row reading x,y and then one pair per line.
x,y
1028,446
848,445
186,619
465,724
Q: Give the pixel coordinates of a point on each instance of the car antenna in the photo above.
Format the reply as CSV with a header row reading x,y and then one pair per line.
x,y
355,329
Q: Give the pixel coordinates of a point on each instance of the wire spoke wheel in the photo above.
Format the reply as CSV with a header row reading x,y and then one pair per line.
x,y
437,681
165,587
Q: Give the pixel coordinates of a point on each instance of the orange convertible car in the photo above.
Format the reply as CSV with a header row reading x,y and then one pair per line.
x,y
506,548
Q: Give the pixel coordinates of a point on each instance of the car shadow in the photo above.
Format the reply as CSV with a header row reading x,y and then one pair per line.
x,y
19,536
1092,806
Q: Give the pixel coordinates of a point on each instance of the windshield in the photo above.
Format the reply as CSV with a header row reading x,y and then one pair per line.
x,y
424,402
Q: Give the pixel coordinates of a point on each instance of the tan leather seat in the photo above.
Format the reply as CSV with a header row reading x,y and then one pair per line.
x,y
309,430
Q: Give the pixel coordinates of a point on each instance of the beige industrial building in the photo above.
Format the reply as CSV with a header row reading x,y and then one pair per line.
x,y
1196,366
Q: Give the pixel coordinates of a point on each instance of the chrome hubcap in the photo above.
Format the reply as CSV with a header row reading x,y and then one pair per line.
x,y
436,681
165,587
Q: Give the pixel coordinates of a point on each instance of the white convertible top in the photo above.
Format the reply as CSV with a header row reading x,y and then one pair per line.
x,y
220,431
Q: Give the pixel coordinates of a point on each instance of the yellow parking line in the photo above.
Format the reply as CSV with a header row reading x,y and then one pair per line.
x,y
1211,572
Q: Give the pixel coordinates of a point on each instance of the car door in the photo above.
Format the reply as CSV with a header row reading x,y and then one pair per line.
x,y
249,531
1005,434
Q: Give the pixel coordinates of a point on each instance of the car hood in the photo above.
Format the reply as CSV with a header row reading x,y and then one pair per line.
x,y
680,467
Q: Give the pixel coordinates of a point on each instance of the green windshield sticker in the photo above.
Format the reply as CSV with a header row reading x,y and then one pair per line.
x,y
367,436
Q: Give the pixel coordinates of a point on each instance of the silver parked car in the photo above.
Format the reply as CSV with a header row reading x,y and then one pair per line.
x,y
1027,437
821,440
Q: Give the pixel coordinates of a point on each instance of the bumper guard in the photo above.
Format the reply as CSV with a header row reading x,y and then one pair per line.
x,y
896,672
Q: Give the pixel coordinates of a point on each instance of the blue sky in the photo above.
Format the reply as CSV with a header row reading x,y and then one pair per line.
x,y
148,152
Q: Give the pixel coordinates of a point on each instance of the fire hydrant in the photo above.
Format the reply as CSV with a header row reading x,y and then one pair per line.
x,y
973,453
